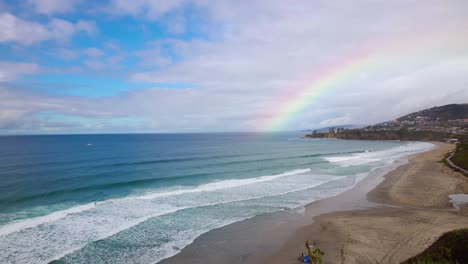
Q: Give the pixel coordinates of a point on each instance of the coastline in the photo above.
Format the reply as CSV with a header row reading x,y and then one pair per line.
x,y
279,237
412,211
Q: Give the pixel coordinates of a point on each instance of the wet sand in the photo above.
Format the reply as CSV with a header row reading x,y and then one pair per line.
x,y
385,219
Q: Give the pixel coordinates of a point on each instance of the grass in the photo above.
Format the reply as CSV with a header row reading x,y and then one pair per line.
x,y
460,158
451,247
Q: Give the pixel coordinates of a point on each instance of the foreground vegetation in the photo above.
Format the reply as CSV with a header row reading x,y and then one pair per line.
x,y
451,247
460,158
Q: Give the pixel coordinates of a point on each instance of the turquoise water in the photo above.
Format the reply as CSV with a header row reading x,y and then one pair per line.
x,y
142,198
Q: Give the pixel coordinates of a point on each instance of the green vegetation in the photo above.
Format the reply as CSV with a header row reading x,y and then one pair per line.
x,y
451,247
460,158
315,256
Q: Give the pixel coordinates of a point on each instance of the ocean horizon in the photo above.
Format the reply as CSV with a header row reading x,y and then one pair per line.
x,y
141,198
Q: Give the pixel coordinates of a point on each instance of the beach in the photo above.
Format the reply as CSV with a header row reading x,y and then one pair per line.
x,y
390,216
415,211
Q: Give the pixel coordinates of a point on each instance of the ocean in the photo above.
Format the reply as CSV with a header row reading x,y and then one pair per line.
x,y
140,198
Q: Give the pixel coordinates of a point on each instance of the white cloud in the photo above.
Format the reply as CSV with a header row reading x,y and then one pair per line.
x,y
59,28
14,29
94,64
176,24
93,52
66,54
146,8
269,50
89,27
256,56
153,55
50,7
11,70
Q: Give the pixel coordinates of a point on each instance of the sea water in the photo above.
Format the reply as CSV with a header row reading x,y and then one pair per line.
x,y
142,198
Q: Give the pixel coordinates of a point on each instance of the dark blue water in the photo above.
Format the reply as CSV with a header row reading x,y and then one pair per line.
x,y
116,198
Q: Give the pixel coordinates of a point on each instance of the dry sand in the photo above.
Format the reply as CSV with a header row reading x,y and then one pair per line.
x,y
416,212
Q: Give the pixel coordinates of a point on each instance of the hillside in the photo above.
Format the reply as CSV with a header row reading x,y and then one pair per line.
x,y
433,124
443,113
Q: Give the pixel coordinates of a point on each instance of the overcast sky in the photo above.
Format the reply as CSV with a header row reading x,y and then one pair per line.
x,y
200,65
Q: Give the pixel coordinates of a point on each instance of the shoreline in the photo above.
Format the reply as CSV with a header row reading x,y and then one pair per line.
x,y
412,211
279,237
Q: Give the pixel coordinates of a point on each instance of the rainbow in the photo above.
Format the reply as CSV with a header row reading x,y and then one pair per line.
x,y
367,60
325,81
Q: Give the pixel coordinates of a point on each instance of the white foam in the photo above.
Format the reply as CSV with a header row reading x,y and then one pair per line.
x,y
55,240
60,233
213,186
110,233
224,184
352,160
169,247
33,222
380,156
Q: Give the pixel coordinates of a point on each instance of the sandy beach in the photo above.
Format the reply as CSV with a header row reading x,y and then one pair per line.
x,y
415,212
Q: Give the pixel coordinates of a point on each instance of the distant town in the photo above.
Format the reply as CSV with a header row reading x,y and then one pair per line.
x,y
424,123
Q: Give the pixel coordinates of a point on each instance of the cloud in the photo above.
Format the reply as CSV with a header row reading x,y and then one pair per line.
x,y
155,55
268,50
249,60
93,52
11,70
176,24
14,29
89,27
49,7
94,64
66,54
146,8
18,30
212,109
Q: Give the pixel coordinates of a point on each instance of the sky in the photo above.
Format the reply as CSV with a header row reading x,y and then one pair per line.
x,y
149,66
